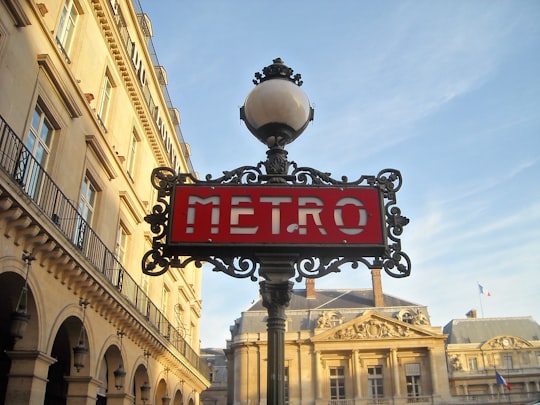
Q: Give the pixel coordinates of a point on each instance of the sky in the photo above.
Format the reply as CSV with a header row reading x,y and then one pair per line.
x,y
447,92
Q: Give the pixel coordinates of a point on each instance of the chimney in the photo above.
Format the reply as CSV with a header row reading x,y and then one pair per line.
x,y
310,288
471,314
378,297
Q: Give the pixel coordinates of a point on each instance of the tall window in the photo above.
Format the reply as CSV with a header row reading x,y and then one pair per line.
x,y
337,383
508,362
38,142
473,363
132,150
87,205
105,99
121,244
375,382
412,373
145,287
165,299
68,22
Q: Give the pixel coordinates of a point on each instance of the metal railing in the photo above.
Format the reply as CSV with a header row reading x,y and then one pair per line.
x,y
19,164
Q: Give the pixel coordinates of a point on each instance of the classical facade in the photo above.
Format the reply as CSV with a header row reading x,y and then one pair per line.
x,y
478,348
356,346
84,117
360,346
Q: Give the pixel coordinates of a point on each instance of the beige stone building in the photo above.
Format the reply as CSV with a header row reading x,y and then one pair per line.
x,y
343,347
479,347
84,117
361,346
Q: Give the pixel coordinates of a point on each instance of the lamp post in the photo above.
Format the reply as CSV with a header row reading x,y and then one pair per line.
x,y
276,112
276,219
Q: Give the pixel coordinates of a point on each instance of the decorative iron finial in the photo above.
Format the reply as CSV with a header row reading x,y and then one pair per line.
x,y
277,70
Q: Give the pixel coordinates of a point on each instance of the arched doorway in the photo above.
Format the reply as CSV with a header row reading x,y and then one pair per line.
x,y
67,338
11,287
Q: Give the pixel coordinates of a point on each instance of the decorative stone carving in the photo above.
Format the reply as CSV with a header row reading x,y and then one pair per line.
x,y
372,328
506,342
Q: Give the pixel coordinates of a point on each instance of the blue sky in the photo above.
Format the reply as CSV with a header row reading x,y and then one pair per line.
x,y
447,92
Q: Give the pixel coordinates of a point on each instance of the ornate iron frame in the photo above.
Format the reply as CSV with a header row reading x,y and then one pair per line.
x,y
158,259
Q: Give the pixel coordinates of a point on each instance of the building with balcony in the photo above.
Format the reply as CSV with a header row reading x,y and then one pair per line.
x,y
84,117
478,348
343,347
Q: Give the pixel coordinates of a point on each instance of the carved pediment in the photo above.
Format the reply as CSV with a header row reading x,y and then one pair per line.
x,y
372,326
505,342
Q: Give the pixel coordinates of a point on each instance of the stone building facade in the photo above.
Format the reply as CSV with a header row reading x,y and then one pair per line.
x,y
343,347
84,117
361,346
478,348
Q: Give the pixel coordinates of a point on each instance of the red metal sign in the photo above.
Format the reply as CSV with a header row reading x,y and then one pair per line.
x,y
277,216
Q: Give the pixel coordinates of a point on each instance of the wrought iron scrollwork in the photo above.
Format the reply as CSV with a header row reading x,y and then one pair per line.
x,y
160,258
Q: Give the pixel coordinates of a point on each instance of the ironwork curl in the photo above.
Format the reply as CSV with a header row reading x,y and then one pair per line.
x,y
159,259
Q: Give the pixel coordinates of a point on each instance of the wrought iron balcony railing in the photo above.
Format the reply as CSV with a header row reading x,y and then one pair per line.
x,y
19,164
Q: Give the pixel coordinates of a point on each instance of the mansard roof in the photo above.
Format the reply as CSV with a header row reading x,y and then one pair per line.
x,y
334,299
480,330
304,314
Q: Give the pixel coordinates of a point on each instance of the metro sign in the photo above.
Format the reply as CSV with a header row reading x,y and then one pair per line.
x,y
247,219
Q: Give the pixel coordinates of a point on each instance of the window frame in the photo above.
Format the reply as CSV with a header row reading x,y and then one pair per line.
x,y
413,374
86,210
105,98
70,14
337,382
375,381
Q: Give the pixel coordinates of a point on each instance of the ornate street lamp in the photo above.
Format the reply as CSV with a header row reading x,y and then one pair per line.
x,y
276,112
253,221
80,352
20,317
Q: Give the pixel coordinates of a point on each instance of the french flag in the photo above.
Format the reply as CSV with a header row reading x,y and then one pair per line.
x,y
502,381
484,290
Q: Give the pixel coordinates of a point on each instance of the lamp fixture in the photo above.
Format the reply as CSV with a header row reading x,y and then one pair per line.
x,y
120,373
165,399
80,352
20,317
145,388
145,392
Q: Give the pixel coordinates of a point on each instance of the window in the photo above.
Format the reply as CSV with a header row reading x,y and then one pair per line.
x,y
473,363
38,142
337,383
87,204
143,301
375,382
68,22
165,299
105,99
412,372
132,150
508,362
121,244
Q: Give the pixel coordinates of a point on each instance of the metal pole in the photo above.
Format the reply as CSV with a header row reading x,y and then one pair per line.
x,y
275,298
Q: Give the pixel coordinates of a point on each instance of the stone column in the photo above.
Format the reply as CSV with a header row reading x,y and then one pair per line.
x,y
433,369
395,372
82,390
318,376
357,376
27,378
